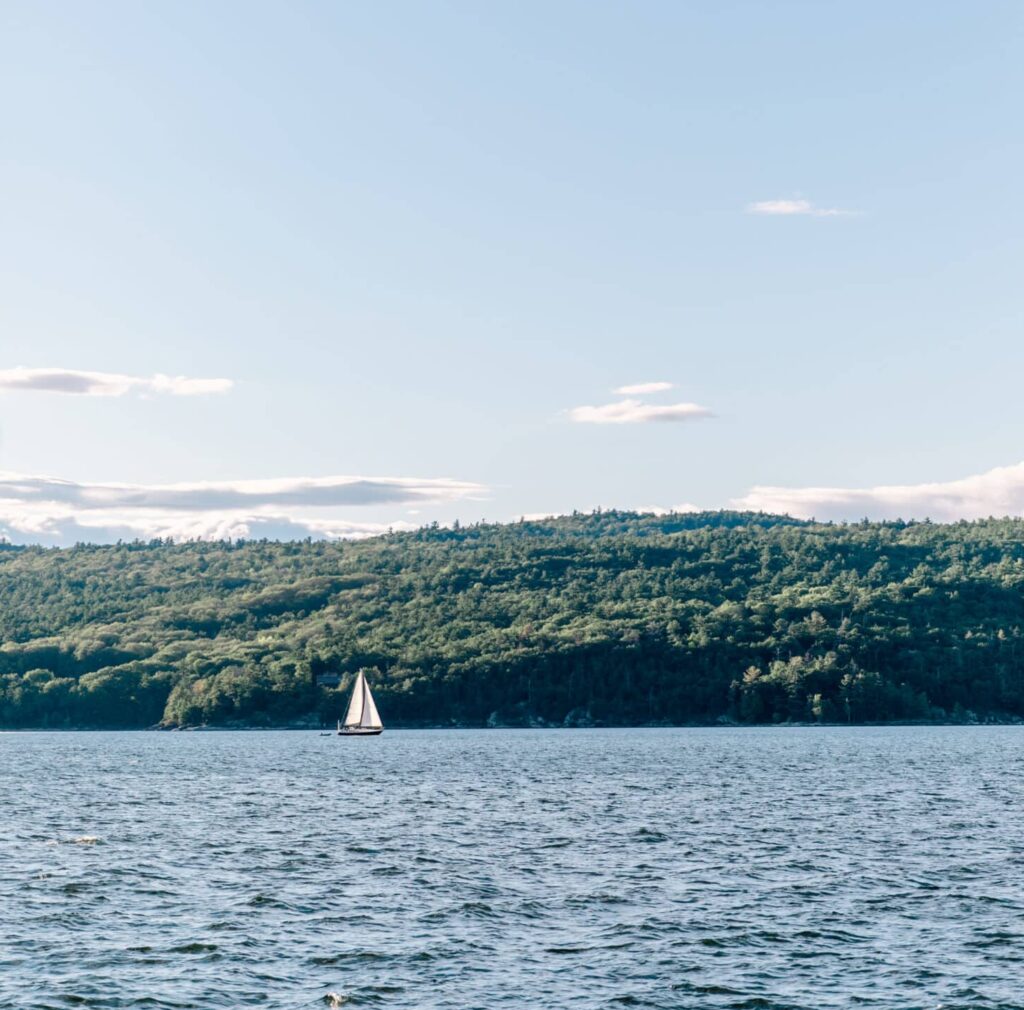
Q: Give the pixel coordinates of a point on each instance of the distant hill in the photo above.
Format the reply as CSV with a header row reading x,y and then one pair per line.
x,y
609,617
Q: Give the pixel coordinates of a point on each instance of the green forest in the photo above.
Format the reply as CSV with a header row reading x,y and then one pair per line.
x,y
609,618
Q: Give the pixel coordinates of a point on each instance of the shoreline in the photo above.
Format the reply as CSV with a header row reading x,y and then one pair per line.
x,y
326,730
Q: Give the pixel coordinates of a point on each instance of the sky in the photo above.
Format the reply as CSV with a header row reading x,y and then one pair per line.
x,y
322,269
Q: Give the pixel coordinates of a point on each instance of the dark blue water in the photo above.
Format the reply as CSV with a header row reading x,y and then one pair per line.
x,y
776,868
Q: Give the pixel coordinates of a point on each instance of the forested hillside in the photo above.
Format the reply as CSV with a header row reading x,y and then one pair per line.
x,y
604,618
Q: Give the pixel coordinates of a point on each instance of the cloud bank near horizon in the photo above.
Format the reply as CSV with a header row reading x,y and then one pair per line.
x,y
85,383
53,512
997,492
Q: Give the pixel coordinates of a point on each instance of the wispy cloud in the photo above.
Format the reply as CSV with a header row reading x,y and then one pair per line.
x,y
211,495
790,208
83,383
632,411
37,509
997,492
643,387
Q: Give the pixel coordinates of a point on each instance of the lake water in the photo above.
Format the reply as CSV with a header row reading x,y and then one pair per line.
x,y
720,868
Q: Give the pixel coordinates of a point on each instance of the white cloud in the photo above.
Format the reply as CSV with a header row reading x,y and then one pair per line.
x,y
998,492
246,494
784,208
63,530
82,383
179,385
643,387
631,411
47,510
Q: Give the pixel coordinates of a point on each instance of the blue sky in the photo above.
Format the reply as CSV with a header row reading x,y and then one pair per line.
x,y
412,239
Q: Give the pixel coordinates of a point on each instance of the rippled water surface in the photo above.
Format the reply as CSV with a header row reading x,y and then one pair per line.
x,y
787,868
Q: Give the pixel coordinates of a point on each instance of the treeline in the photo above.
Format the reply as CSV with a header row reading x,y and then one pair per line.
x,y
609,618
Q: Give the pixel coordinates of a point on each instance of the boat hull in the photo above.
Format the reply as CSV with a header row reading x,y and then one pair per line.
x,y
359,731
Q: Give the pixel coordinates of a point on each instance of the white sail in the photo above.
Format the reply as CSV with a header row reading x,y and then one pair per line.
x,y
354,715
370,720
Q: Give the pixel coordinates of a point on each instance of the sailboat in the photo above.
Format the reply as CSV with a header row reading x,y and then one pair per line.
x,y
361,719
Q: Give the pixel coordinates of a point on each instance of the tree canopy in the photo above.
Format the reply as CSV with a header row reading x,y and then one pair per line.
x,y
611,617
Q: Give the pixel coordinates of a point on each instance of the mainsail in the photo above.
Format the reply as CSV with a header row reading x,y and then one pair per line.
x,y
362,712
354,715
